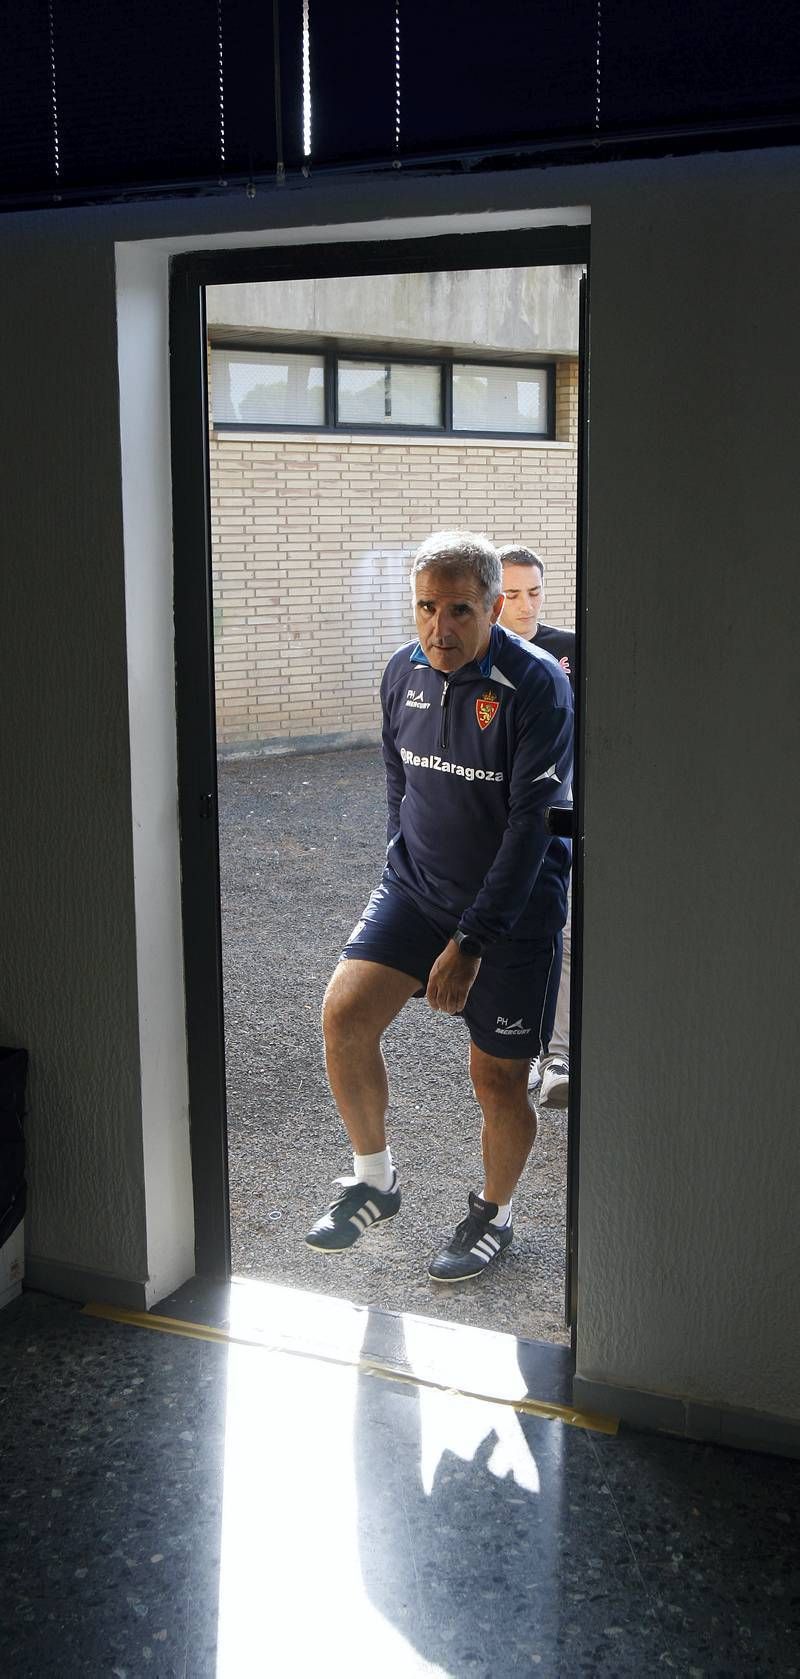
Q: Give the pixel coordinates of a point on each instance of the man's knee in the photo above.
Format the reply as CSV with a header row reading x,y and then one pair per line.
x,y
354,1005
342,1008
361,1000
498,1083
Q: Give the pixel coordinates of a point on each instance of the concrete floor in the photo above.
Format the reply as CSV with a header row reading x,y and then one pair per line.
x,y
196,1509
302,842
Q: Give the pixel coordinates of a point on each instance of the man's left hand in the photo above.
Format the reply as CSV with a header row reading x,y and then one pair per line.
x,y
451,979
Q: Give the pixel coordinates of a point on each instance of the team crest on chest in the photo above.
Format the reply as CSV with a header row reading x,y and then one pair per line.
x,y
486,708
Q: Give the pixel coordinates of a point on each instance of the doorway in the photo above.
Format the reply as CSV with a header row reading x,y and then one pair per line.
x,y
218,787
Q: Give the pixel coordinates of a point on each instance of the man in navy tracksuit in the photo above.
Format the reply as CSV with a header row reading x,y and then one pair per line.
x,y
477,741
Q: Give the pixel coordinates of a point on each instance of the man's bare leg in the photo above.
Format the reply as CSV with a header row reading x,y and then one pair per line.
x,y
362,999
509,1121
509,1129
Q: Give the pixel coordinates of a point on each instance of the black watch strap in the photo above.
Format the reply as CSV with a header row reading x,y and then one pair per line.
x,y
467,943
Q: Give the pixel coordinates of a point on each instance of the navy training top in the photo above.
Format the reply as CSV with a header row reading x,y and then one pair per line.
x,y
472,760
561,644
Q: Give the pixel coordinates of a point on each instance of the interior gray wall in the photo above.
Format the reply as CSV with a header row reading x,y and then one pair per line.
x,y
689,1161
688,1257
66,906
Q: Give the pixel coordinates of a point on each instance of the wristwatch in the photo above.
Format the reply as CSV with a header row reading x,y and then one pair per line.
x,y
467,943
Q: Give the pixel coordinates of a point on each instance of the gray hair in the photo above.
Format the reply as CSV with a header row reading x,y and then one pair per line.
x,y
512,554
457,551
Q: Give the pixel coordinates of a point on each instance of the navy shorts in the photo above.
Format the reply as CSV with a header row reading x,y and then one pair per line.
x,y
511,1007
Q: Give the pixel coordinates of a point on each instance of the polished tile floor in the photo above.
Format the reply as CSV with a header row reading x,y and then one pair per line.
x,y
172,1506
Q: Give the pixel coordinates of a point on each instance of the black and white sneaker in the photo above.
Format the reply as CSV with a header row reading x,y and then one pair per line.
x,y
355,1209
476,1243
554,1088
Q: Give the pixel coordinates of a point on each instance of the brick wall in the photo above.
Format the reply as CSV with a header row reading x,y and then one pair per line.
x,y
311,540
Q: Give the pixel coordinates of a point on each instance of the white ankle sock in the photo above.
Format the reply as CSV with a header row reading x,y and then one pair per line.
x,y
503,1215
375,1169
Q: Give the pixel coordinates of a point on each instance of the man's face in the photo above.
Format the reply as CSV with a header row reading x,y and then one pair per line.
x,y
453,621
524,591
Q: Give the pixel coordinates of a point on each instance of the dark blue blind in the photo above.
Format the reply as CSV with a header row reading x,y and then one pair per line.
x,y
698,65
106,97
497,74
28,135
353,79
137,83
127,94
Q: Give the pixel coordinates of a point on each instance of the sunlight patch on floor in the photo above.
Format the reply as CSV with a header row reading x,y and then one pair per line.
x,y
292,1597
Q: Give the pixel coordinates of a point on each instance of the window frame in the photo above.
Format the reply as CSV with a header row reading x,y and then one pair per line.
x,y
538,247
546,436
372,426
268,350
338,351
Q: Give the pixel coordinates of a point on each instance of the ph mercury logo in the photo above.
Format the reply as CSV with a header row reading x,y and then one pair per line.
x,y
515,1029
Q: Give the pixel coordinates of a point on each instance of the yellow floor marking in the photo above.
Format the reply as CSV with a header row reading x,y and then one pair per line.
x,y
384,1369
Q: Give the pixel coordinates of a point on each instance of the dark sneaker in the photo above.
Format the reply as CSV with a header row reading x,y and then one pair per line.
x,y
355,1209
476,1243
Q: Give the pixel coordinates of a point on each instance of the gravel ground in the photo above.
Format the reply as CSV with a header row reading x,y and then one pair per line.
x,y
302,842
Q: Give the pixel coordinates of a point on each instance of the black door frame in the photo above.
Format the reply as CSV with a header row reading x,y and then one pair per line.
x,y
194,661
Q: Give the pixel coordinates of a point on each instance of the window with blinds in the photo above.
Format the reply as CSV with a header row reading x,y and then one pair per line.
x,y
389,394
267,390
500,399
295,388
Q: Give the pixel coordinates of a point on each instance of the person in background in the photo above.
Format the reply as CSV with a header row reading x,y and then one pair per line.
x,y
523,586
